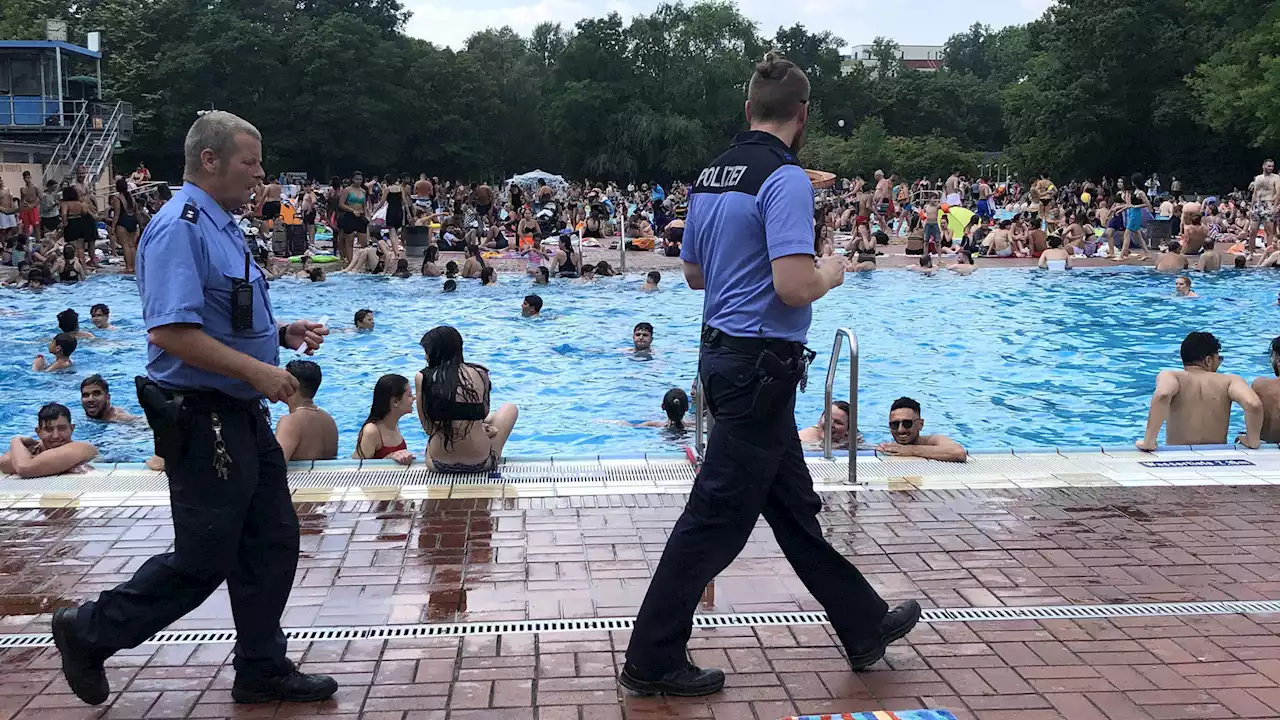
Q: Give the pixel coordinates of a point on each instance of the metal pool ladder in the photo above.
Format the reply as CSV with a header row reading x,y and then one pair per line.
x,y
703,420
853,400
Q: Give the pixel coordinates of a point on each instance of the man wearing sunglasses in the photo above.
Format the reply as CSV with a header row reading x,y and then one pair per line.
x,y
905,424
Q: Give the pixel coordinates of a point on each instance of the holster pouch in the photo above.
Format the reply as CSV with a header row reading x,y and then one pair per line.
x,y
166,415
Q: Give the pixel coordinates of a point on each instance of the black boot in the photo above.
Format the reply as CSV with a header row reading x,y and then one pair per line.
x,y
292,687
894,626
688,681
81,666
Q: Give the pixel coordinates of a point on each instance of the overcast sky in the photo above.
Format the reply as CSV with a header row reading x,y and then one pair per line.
x,y
908,22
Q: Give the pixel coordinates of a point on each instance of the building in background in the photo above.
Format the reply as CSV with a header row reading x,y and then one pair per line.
x,y
53,117
925,58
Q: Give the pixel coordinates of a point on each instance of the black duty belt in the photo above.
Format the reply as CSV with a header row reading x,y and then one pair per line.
x,y
712,337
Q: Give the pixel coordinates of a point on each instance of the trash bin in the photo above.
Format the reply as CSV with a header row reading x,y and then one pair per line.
x,y
1161,230
295,240
416,239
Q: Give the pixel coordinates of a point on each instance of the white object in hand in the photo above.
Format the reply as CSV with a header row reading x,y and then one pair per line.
x,y
301,351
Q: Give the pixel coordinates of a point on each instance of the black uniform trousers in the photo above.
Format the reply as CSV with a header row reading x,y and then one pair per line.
x,y
242,529
754,465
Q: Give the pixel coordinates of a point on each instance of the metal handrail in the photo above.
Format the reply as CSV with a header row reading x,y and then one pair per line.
x,y
853,400
91,138
83,141
62,153
107,140
622,239
702,420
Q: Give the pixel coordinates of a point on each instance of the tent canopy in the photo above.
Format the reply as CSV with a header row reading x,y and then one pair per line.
x,y
957,219
528,182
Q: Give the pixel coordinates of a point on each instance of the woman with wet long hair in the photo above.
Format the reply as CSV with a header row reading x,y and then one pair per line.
x,y
567,262
429,260
453,405
379,435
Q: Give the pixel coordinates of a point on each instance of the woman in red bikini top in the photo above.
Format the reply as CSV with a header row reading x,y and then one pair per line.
x,y
380,435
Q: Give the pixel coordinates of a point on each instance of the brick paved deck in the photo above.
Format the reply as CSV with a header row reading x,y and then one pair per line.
x,y
443,560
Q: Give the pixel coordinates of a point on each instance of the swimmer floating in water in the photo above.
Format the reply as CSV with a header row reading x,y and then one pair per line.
x,y
101,316
61,347
641,338
1182,287
675,403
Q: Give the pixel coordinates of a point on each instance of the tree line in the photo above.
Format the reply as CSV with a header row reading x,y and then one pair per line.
x,y
1093,88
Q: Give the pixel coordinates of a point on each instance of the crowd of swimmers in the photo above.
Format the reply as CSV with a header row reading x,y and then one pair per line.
x,y
449,396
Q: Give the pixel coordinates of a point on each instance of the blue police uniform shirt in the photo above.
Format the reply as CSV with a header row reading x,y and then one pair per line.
x,y
753,205
188,257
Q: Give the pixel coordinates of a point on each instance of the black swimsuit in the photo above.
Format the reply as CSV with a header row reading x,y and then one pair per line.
x,y
127,220
567,268
395,209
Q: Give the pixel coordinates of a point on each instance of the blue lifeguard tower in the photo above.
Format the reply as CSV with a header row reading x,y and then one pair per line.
x,y
53,117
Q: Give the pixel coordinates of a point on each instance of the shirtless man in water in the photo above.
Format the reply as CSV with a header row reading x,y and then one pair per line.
x,y
307,432
1266,204
1196,400
1268,390
95,400
52,451
839,427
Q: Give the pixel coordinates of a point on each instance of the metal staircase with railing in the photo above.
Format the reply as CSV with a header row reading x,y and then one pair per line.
x,y
91,141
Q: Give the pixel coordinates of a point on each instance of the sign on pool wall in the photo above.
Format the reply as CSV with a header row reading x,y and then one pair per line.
x,y
1196,463
883,715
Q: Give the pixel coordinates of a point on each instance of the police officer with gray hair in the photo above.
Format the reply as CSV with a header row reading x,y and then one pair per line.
x,y
748,241
212,360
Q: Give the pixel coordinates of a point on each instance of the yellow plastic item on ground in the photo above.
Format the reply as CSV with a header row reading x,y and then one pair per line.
x,y
958,219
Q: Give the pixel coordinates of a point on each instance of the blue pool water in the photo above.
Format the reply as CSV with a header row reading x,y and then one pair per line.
x,y
1006,358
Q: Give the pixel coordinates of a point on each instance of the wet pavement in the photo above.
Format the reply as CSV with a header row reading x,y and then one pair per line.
x,y
403,562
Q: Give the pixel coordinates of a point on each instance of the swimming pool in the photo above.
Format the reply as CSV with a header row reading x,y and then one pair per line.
x,y
1006,358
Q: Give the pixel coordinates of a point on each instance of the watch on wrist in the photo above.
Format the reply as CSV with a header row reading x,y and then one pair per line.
x,y
284,332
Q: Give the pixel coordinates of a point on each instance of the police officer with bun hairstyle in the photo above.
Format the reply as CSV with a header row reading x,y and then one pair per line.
x,y
212,360
748,241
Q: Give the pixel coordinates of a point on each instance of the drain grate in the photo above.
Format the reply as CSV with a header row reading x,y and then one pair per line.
x,y
583,625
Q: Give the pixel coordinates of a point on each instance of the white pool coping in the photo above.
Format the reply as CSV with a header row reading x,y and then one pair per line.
x,y
133,485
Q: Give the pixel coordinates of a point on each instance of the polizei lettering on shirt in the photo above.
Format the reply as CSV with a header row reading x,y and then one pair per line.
x,y
721,176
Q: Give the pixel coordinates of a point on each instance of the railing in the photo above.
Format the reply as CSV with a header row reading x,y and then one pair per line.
x,y
95,142
622,237
853,400
702,420
63,153
920,197
106,143
80,141
36,112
